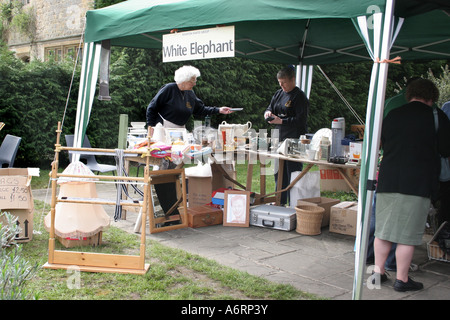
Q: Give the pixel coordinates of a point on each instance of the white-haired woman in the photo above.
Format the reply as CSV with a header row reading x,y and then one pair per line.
x,y
172,106
175,102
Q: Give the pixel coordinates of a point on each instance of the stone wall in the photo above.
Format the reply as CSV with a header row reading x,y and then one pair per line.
x,y
58,18
58,23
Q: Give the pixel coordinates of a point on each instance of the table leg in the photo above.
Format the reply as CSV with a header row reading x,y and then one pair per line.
x,y
279,181
249,177
262,177
348,180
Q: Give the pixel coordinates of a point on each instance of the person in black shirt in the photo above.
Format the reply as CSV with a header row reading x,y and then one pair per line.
x,y
175,102
408,177
172,106
289,109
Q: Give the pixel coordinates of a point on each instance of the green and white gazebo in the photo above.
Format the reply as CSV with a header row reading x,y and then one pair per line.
x,y
300,32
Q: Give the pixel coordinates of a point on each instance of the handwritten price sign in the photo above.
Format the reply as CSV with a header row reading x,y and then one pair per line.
x,y
14,194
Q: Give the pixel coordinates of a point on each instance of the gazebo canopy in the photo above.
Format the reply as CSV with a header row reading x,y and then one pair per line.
x,y
282,31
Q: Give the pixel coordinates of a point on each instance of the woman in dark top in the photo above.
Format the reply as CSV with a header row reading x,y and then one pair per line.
x,y
172,106
175,102
408,177
289,109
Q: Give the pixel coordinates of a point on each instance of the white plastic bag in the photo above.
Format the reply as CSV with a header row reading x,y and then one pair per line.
x,y
306,187
200,170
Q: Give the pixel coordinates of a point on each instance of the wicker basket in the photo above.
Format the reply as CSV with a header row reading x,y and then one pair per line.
x,y
309,219
434,250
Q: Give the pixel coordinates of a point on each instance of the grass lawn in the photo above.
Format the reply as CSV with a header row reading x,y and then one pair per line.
x,y
173,275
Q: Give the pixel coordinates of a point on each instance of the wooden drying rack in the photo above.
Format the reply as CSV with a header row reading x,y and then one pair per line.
x,y
114,263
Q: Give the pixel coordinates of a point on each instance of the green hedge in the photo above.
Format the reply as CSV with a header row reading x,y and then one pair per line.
x,y
32,100
33,96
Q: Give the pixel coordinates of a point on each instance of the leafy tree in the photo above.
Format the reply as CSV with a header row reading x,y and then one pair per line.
x,y
352,81
137,75
32,101
35,96
104,3
442,83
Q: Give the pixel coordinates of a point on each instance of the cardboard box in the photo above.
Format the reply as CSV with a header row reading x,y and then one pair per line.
x,y
332,180
93,241
343,218
200,189
358,129
17,199
323,202
15,189
355,150
25,221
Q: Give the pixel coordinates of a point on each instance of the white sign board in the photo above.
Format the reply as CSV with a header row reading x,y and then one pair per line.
x,y
199,44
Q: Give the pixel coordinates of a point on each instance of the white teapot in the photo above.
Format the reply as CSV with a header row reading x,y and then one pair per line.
x,y
237,128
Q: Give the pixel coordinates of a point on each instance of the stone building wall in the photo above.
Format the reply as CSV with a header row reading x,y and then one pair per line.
x,y
59,28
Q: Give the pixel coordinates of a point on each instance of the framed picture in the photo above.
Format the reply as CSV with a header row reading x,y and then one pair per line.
x,y
236,208
176,136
